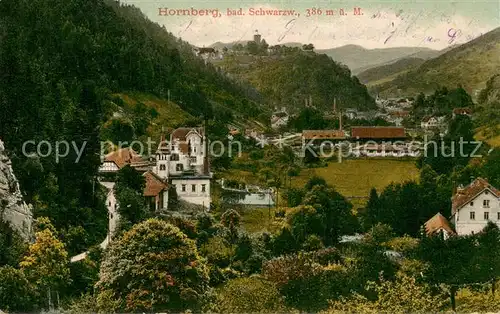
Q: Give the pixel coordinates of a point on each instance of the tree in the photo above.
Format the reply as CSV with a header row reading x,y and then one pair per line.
x,y
451,262
308,47
404,295
46,265
16,292
334,212
371,211
231,220
489,254
491,167
153,267
12,246
130,178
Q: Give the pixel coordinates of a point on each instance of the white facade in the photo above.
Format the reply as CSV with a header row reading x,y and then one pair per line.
x,y
108,166
182,162
279,119
474,216
193,190
432,123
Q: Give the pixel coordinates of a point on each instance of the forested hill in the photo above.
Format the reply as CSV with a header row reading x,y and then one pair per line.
x,y
60,60
292,75
470,65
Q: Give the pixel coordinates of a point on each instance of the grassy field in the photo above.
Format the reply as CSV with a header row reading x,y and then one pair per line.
x,y
260,220
169,113
351,178
489,135
355,177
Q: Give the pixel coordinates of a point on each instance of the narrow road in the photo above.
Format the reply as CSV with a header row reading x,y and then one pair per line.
x,y
113,220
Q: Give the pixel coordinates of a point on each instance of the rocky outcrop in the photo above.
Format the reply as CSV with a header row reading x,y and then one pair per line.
x,y
12,207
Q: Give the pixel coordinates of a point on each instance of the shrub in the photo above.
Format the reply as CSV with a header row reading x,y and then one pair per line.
x,y
249,295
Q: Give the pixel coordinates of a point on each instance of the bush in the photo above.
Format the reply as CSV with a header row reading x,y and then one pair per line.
x,y
401,296
154,257
249,295
218,251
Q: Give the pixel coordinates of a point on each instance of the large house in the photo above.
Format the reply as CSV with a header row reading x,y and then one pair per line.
x,y
183,163
319,136
279,119
474,205
378,133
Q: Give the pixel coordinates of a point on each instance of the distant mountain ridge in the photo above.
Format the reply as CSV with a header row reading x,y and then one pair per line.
x,y
469,65
359,59
387,71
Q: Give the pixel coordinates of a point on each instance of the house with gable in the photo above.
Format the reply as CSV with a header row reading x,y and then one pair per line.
x,y
474,205
279,119
438,225
155,191
183,163
465,111
432,122
118,159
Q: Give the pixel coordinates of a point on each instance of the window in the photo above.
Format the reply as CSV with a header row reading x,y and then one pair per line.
x,y
193,187
498,216
193,159
179,167
486,215
472,216
204,188
163,167
471,203
174,157
183,188
486,203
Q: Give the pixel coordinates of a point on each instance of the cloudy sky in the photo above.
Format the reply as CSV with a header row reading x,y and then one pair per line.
x,y
431,23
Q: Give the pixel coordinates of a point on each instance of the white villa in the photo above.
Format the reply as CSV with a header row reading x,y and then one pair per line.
x,y
183,163
474,205
431,122
279,119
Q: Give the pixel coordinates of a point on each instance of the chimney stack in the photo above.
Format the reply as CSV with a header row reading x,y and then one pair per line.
x,y
340,120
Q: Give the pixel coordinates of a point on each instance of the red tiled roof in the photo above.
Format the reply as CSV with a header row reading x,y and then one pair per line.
x,y
323,134
437,223
123,157
154,184
426,118
184,148
464,110
377,132
181,133
467,194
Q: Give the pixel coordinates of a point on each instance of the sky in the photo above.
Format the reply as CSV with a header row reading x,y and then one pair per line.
x,y
434,24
